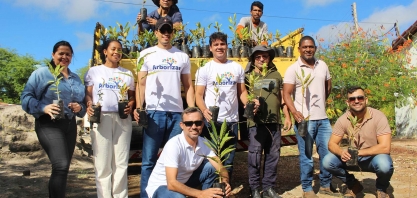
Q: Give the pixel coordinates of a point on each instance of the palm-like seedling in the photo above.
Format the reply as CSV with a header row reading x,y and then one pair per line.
x,y
217,143
305,82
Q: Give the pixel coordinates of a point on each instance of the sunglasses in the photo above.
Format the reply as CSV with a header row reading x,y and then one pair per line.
x,y
166,30
190,123
261,56
359,98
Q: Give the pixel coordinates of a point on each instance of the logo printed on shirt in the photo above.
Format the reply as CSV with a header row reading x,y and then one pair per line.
x,y
112,83
167,64
227,79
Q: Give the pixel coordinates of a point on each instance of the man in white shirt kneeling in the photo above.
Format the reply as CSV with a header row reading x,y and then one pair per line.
x,y
182,167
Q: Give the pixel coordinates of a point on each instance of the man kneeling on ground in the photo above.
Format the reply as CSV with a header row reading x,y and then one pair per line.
x,y
181,168
373,142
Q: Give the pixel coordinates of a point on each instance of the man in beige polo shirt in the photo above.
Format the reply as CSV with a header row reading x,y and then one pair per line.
x,y
312,105
373,142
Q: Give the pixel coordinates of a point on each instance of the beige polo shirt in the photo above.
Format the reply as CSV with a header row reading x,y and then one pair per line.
x,y
315,96
374,124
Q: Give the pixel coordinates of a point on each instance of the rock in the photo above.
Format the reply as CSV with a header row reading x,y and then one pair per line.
x,y
26,173
13,118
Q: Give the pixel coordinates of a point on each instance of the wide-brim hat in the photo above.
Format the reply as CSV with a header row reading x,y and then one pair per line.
x,y
260,48
156,2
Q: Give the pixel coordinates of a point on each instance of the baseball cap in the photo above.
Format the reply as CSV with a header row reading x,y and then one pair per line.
x,y
163,21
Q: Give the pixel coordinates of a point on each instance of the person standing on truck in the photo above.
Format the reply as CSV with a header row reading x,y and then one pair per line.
x,y
111,137
166,8
182,167
231,89
373,140
314,108
165,68
257,28
265,129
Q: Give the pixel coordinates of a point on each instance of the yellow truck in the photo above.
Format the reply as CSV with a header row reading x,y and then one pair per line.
x,y
282,63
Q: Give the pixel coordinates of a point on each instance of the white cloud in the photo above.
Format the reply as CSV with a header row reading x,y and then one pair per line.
x,y
85,41
309,3
73,10
381,20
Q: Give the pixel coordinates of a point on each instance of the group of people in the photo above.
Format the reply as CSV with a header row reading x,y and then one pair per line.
x,y
182,168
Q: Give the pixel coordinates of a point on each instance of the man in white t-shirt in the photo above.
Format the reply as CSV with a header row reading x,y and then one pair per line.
x,y
159,86
231,89
182,167
257,28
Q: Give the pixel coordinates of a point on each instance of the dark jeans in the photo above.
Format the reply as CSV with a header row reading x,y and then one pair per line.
x,y
57,138
266,138
232,128
162,126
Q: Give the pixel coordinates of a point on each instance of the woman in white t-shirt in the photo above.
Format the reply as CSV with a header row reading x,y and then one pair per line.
x,y
111,137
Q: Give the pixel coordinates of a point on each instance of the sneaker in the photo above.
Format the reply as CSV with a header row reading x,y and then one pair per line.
x,y
310,194
270,192
352,191
256,194
328,191
381,194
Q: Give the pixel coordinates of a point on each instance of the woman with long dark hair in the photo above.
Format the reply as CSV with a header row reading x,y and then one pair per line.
x,y
57,136
111,137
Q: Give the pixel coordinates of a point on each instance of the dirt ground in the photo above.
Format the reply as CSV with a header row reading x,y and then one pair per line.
x,y
81,181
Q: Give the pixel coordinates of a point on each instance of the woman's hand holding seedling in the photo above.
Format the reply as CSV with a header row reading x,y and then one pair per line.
x,y
51,109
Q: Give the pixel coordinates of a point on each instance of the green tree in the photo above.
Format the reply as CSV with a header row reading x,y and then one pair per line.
x,y
14,73
366,59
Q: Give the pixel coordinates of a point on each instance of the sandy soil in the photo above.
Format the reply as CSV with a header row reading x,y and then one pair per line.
x,y
81,177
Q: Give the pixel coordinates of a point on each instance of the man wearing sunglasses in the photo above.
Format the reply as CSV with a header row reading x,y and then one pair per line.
x,y
265,129
182,167
373,142
164,69
312,105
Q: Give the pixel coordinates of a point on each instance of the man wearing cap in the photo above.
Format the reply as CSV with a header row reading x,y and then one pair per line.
x,y
165,68
257,28
166,8
265,129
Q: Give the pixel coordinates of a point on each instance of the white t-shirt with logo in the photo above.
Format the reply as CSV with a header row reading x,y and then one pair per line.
x,y
163,83
231,74
107,80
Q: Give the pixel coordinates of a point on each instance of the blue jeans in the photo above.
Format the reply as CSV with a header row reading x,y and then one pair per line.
x,y
319,131
162,126
380,164
232,128
204,175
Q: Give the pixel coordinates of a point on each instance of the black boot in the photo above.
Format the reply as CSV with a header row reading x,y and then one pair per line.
x,y
256,194
270,192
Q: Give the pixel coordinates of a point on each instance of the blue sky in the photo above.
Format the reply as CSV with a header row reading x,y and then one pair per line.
x,y
34,26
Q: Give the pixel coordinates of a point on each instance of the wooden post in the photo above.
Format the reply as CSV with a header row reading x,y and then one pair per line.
x,y
397,30
355,17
